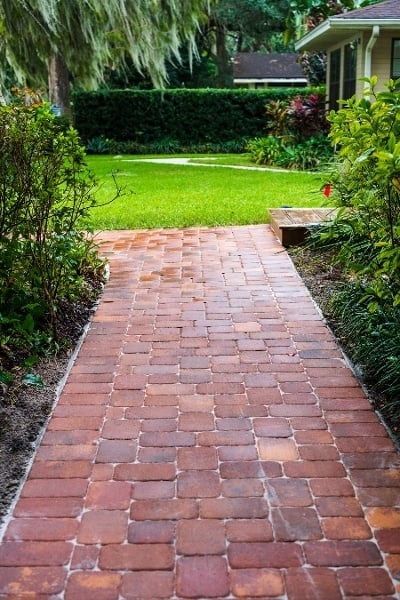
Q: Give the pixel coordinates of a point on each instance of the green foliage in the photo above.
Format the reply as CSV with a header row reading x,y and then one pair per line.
x,y
365,236
297,134
252,23
366,183
373,342
313,154
313,65
90,35
265,151
46,192
163,146
189,118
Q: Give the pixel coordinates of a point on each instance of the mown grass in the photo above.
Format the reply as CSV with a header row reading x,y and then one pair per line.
x,y
170,195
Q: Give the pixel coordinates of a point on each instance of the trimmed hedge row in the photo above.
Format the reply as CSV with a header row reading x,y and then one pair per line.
x,y
185,116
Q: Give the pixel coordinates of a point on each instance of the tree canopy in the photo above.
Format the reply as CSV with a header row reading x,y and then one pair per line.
x,y
241,26
251,24
49,44
91,34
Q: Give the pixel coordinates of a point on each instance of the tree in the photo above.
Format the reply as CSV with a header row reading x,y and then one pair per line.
x,y
198,71
73,41
242,26
229,26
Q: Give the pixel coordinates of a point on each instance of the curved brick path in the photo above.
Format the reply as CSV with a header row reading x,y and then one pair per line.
x,y
209,442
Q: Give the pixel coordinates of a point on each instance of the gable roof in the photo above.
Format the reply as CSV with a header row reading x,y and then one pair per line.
x,y
271,67
384,14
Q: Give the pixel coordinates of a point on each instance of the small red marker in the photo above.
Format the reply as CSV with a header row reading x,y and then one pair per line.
x,y
327,190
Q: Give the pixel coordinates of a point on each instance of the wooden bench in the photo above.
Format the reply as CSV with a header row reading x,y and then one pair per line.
x,y
291,225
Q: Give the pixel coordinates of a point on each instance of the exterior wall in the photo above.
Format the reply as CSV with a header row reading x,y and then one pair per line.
x,y
382,56
380,63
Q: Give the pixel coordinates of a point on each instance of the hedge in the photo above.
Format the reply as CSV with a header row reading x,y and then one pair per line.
x,y
185,116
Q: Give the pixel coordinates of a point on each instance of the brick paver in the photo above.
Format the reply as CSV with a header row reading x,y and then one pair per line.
x,y
210,441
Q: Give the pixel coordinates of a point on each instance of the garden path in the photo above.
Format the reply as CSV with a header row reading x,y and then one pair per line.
x,y
210,441
191,162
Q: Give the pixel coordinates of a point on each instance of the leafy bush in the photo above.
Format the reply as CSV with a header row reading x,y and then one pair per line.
x,y
190,118
103,145
307,117
373,342
365,237
297,119
313,65
98,145
45,195
366,184
297,134
265,151
312,154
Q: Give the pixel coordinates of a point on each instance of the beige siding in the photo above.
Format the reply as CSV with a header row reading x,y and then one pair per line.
x,y
381,58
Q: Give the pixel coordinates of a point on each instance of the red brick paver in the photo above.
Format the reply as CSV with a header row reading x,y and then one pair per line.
x,y
210,441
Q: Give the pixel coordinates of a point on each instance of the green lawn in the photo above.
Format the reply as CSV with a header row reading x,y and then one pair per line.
x,y
170,195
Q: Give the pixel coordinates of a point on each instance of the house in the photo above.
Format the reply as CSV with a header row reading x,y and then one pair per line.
x,y
255,70
359,43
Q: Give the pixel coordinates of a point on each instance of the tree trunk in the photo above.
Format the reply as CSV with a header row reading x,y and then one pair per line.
x,y
224,67
59,87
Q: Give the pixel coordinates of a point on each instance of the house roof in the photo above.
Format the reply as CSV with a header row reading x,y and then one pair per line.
x,y
267,67
390,9
384,14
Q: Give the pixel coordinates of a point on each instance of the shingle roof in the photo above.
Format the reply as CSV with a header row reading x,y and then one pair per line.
x,y
253,65
331,31
390,9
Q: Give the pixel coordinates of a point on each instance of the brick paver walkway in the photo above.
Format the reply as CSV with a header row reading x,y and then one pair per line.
x,y
209,442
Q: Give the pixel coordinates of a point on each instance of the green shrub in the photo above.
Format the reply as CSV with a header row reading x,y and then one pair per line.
x,y
366,184
45,194
265,151
103,145
372,340
297,119
365,238
297,134
190,118
312,154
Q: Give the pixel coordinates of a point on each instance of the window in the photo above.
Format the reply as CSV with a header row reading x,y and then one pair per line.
x,y
334,79
395,70
350,69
